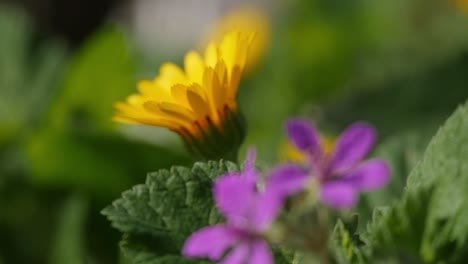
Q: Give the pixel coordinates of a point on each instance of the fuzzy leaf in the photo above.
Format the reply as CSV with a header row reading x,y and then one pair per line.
x,y
430,222
402,152
142,251
158,216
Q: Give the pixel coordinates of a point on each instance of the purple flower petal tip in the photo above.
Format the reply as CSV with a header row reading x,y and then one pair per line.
x,y
303,134
287,179
238,255
354,144
261,253
372,175
233,194
339,195
210,242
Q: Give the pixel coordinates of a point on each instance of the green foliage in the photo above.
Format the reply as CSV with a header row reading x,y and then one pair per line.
x,y
69,239
158,216
91,155
444,168
78,131
429,223
343,247
417,103
139,250
395,233
29,72
402,152
100,74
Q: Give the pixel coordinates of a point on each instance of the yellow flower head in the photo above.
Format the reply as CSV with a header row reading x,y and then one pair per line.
x,y
246,19
199,102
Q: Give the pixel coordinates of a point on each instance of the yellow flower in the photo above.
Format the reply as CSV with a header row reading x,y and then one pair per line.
x,y
198,102
246,19
462,5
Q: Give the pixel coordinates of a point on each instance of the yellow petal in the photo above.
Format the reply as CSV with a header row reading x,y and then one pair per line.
x,y
199,106
211,55
194,66
151,90
247,20
216,90
170,110
170,74
135,99
147,121
234,84
228,49
221,72
146,88
179,94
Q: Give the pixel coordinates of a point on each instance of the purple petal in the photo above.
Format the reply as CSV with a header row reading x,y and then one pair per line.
x,y
304,136
237,255
370,176
249,165
234,195
210,242
339,195
260,253
250,161
267,207
287,179
353,146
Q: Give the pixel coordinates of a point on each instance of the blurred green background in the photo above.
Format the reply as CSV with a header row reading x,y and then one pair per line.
x,y
400,64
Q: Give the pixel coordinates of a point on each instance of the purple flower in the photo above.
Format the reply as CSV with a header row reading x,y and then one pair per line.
x,y
342,173
249,213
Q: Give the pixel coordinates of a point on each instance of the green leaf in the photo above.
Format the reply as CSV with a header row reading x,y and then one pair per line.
x,y
395,233
402,152
430,222
343,247
158,216
141,251
444,169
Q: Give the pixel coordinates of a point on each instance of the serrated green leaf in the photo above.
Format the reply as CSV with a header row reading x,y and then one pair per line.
x,y
402,152
430,222
343,247
444,168
142,251
158,216
395,233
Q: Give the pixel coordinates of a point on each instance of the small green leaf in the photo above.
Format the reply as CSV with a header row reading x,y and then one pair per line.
x,y
343,246
395,233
